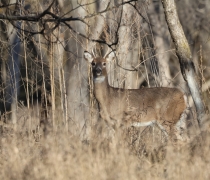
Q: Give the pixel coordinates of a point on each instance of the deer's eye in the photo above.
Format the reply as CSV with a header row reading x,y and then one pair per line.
x,y
93,63
104,64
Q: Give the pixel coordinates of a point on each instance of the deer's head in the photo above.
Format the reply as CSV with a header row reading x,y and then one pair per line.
x,y
98,65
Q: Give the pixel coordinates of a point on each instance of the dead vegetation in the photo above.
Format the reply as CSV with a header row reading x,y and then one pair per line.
x,y
131,154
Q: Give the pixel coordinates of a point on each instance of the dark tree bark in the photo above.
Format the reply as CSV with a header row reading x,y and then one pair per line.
x,y
184,55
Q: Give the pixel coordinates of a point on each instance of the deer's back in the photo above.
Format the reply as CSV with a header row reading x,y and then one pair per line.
x,y
146,104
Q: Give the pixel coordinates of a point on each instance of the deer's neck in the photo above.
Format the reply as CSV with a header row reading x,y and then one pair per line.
x,y
101,89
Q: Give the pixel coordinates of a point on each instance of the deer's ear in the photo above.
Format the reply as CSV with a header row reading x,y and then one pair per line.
x,y
88,56
110,56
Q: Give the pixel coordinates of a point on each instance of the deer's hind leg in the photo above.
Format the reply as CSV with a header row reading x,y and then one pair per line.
x,y
181,127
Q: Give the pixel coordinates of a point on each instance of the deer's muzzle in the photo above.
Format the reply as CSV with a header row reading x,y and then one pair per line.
x,y
98,71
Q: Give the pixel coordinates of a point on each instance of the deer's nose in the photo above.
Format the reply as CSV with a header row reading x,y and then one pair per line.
x,y
98,71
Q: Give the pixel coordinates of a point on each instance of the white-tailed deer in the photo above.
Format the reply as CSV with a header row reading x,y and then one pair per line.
x,y
136,107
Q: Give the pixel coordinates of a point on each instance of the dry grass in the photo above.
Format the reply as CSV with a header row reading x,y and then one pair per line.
x,y
131,154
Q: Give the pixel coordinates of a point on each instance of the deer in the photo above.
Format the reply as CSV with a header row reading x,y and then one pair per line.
x,y
162,106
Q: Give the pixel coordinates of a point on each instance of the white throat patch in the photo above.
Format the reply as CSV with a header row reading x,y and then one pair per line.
x,y
99,79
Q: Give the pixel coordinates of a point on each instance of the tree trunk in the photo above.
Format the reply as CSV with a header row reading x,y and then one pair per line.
x,y
184,55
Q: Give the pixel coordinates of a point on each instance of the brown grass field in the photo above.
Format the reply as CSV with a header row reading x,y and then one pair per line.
x,y
132,154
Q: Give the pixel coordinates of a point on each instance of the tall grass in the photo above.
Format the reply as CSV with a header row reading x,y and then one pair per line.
x,y
128,155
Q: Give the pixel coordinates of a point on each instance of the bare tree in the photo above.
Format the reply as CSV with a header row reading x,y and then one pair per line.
x,y
184,55
12,80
